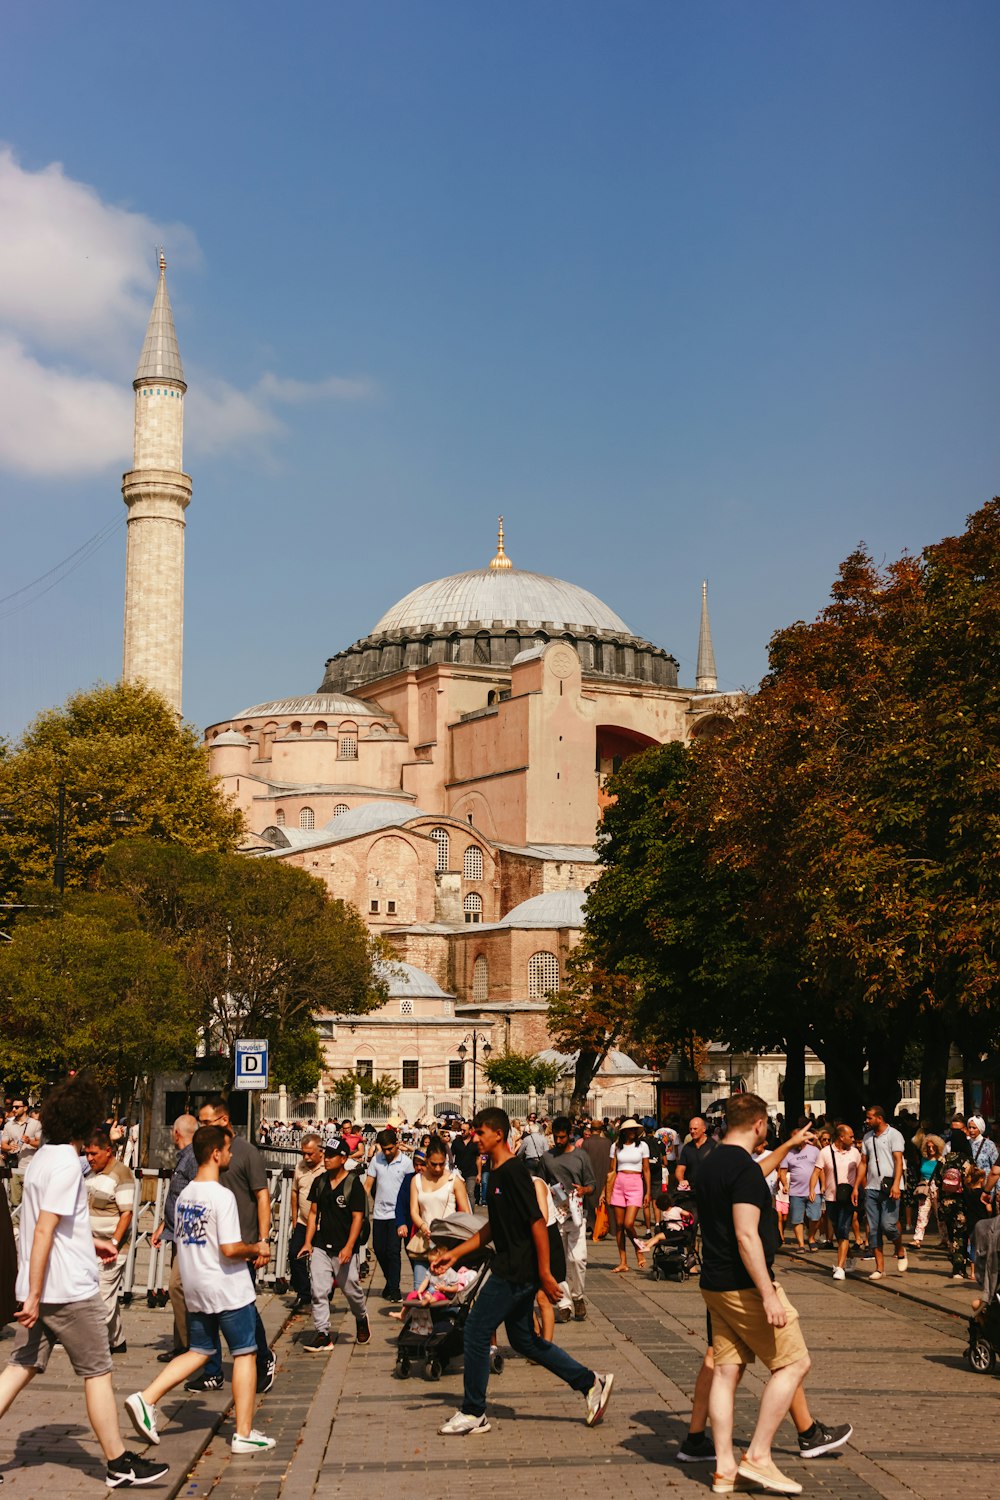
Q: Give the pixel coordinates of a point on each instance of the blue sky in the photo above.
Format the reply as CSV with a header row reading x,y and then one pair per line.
x,y
684,291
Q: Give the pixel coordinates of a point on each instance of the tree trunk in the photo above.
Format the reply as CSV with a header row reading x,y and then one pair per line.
x,y
885,1057
795,1078
587,1064
936,1042
843,1060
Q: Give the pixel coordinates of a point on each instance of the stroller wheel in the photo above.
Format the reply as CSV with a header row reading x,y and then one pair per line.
x,y
402,1370
982,1356
433,1370
281,1286
496,1364
655,1273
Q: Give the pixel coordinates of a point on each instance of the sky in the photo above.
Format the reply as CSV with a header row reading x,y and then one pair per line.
x,y
684,291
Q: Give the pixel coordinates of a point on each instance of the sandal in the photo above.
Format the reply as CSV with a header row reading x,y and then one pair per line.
x,y
618,1270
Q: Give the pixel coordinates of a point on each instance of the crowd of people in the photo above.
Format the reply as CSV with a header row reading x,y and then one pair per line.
x,y
548,1188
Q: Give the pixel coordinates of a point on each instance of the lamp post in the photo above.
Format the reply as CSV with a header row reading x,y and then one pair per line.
x,y
475,1037
119,820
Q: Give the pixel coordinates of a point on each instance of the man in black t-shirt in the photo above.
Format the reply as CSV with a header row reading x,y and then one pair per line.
x,y
465,1150
336,1215
517,1231
695,1152
751,1316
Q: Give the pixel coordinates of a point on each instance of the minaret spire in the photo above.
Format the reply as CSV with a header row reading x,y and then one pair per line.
x,y
157,491
705,680
501,563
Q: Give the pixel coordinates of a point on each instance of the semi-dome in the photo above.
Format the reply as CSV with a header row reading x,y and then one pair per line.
x,y
331,705
552,909
509,597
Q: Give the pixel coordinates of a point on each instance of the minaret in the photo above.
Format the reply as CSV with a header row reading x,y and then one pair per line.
x,y
705,680
157,491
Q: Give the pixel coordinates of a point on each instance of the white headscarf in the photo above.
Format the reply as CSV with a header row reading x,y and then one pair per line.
x,y
979,1122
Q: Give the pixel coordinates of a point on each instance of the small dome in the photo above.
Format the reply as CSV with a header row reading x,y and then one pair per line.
x,y
406,981
501,596
229,737
329,705
553,909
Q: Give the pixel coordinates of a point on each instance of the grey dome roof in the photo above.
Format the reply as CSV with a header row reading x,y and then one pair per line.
x,y
228,737
405,980
508,597
331,705
553,909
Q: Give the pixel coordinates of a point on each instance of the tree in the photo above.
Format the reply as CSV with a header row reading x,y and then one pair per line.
x,y
375,1092
83,986
263,946
520,1072
114,748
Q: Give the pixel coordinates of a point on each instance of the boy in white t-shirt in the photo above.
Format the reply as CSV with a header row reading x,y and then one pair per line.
x,y
218,1291
57,1282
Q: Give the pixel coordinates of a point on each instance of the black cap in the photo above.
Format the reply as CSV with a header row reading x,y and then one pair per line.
x,y
336,1146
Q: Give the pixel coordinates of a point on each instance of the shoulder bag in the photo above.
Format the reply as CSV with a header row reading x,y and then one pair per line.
x,y
842,1190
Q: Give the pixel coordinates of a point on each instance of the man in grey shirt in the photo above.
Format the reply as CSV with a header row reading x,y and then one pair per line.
x,y
570,1173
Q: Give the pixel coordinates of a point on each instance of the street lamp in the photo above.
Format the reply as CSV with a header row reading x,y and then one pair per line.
x,y
119,820
475,1037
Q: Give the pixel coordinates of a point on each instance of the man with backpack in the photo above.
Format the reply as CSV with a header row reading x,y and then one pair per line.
x,y
880,1179
334,1227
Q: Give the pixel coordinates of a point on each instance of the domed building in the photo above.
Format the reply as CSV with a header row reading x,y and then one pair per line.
x,y
447,779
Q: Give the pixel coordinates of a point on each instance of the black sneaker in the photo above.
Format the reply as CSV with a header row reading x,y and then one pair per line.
x,y
363,1332
696,1450
205,1383
265,1381
322,1343
168,1355
824,1439
130,1470
121,1348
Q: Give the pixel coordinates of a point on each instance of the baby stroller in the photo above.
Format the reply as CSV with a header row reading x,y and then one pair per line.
x,y
676,1258
444,1342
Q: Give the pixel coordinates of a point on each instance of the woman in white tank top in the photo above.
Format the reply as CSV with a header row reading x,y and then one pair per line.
x,y
435,1192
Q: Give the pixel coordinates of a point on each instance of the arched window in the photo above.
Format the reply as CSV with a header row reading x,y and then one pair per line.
x,y
307,818
543,975
481,978
473,907
341,807
482,648
279,817
440,837
295,727
319,727
473,863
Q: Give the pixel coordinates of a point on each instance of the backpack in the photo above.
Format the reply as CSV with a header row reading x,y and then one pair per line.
x,y
951,1181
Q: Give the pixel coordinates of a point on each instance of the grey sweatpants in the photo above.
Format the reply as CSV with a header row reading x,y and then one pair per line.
x,y
324,1270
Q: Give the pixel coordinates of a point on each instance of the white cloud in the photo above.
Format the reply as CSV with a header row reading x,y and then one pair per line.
x,y
77,276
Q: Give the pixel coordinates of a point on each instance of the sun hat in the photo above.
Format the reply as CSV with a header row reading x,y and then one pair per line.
x,y
630,1124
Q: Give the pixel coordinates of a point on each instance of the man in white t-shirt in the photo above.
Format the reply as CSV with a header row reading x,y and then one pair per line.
x,y
21,1138
880,1179
218,1290
57,1282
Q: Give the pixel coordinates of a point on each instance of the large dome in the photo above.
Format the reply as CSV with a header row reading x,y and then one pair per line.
x,y
511,597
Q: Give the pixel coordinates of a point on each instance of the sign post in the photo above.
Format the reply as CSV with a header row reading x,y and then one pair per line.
x,y
251,1073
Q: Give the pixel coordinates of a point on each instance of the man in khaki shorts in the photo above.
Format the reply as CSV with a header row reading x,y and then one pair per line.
x,y
751,1316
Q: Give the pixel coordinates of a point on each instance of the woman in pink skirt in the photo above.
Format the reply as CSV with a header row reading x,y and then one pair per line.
x,y
628,1188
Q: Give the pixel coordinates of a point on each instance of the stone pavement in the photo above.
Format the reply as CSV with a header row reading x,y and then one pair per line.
x,y
886,1357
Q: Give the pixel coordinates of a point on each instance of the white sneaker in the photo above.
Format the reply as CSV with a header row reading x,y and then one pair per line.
x,y
875,1275
901,1263
143,1417
463,1425
254,1442
839,1274
598,1397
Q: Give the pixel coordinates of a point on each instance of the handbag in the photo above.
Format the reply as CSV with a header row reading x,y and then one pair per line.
x,y
600,1222
842,1191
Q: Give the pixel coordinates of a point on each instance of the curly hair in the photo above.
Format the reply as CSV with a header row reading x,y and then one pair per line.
x,y
72,1110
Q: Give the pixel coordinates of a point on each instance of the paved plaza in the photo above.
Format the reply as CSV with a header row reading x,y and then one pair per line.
x,y
889,1363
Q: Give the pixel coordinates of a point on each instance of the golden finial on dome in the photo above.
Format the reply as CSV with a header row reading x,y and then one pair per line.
x,y
501,562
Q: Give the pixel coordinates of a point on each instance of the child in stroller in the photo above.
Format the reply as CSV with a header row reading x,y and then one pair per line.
x,y
674,1243
434,1317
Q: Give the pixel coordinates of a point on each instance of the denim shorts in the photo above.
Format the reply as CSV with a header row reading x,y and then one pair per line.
x,y
801,1209
238,1326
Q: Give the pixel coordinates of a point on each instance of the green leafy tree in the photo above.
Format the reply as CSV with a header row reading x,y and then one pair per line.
x,y
377,1092
520,1072
116,749
83,987
263,946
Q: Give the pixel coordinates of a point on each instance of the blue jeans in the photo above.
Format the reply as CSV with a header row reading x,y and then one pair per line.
x,y
882,1213
506,1302
214,1366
